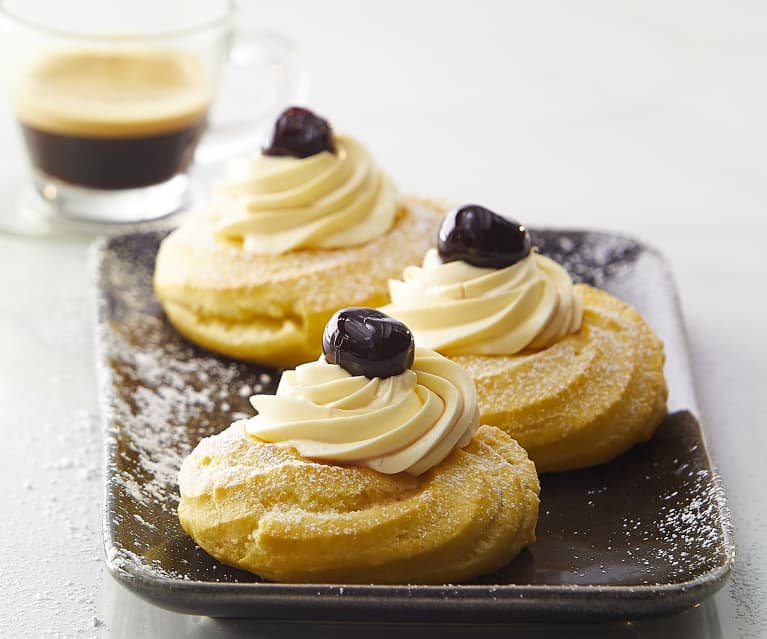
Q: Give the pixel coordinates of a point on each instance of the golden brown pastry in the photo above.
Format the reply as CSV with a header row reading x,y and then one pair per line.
x,y
272,309
289,239
571,372
584,400
347,478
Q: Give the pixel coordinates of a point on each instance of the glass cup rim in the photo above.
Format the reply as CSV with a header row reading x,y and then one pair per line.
x,y
219,21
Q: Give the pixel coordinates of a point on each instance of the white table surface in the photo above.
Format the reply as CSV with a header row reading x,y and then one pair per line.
x,y
647,119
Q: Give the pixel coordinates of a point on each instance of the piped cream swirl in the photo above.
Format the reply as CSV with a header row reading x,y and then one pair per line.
x,y
404,423
460,309
328,200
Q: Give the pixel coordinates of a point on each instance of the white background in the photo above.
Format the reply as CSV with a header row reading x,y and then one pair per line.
x,y
646,118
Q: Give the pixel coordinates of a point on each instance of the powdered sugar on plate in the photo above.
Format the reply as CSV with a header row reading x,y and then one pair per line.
x,y
655,518
160,396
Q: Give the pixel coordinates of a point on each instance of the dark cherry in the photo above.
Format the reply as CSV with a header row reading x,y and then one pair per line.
x,y
367,342
480,237
300,133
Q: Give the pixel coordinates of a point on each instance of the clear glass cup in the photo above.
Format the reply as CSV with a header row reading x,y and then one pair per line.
x,y
114,100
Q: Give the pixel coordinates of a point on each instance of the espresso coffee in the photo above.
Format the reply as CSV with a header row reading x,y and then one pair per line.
x,y
113,120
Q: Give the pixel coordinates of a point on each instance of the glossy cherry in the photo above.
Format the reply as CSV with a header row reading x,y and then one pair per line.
x,y
367,342
481,237
299,133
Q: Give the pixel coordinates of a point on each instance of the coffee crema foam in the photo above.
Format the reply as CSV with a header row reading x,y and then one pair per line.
x,y
94,93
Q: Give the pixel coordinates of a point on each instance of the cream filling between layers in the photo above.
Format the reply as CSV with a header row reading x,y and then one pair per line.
x,y
460,309
328,200
404,423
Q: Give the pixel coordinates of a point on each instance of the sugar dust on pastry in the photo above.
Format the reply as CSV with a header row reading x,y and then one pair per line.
x,y
373,469
309,225
571,372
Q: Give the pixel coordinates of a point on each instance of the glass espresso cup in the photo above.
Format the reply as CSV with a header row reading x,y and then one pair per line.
x,y
112,98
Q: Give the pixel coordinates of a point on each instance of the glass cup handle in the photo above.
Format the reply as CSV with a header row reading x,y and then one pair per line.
x,y
261,75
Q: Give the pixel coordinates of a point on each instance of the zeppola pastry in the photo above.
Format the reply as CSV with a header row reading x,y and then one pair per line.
x,y
572,373
367,466
306,227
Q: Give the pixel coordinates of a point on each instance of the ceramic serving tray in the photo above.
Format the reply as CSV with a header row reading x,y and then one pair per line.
x,y
647,534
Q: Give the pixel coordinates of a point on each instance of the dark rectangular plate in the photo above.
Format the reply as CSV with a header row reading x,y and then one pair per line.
x,y
647,534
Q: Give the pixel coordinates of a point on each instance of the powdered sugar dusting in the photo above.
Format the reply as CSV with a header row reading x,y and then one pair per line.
x,y
655,516
590,258
161,396
622,523
52,575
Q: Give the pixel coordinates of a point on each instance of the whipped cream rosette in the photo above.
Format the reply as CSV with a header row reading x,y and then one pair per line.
x,y
275,204
404,423
461,309
372,399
